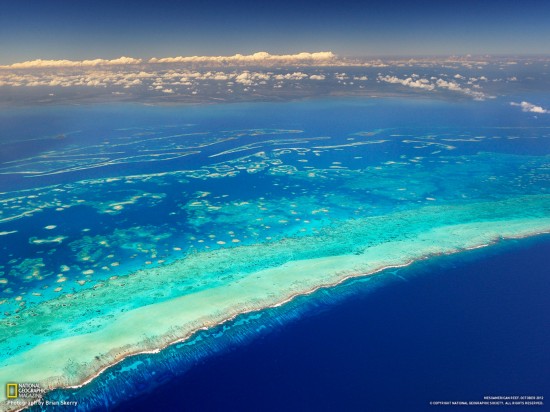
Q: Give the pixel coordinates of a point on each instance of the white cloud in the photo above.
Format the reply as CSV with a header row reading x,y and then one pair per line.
x,y
256,58
418,84
220,76
455,87
531,108
290,76
317,77
426,85
448,85
251,78
244,78
39,63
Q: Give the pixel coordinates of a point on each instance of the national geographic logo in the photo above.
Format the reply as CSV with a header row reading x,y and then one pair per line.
x,y
25,395
12,390
24,391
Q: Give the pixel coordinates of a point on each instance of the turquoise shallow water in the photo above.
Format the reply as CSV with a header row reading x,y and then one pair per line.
x,y
190,199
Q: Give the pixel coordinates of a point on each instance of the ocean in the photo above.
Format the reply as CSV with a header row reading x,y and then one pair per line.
x,y
244,233
458,328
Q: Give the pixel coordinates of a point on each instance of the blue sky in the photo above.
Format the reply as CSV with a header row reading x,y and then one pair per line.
x,y
54,29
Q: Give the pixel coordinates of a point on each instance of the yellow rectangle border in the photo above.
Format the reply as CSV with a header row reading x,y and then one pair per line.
x,y
9,387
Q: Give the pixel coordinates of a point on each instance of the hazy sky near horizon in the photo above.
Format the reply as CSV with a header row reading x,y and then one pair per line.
x,y
63,29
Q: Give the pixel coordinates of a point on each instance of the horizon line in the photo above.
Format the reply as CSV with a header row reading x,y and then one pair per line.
x,y
256,57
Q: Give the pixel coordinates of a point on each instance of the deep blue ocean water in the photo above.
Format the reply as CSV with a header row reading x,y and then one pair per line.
x,y
457,329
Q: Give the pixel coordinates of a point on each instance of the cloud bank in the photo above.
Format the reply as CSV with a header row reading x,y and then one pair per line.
x,y
240,77
39,63
260,57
